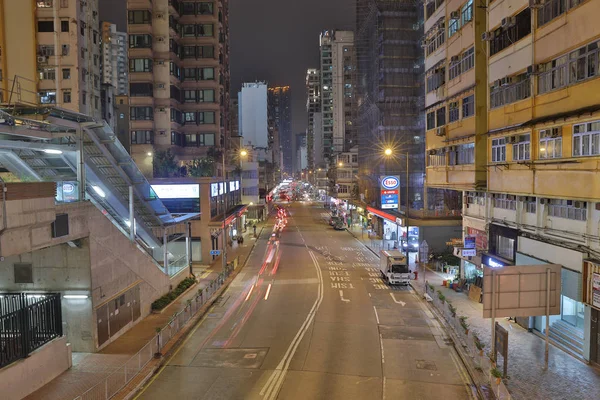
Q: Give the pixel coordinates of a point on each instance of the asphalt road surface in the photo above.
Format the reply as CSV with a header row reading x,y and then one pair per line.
x,y
310,318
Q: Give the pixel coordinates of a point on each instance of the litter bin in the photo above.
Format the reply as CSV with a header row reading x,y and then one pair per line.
x,y
416,275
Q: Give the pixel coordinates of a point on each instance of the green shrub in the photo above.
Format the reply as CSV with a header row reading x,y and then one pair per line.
x,y
168,298
496,373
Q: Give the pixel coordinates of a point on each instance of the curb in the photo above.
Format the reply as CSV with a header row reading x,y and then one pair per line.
x,y
176,341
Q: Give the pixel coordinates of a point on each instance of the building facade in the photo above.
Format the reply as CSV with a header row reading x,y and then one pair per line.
x,y
178,78
313,108
253,116
526,165
280,121
114,66
56,59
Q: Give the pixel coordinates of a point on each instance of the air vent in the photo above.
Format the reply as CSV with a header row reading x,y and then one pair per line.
x,y
23,273
60,227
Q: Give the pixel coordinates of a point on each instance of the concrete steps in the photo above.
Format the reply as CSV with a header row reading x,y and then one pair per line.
x,y
567,337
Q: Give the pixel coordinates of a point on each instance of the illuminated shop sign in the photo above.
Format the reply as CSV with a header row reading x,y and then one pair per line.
x,y
184,191
214,189
492,262
389,192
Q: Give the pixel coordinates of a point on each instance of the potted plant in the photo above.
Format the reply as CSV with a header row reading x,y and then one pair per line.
x,y
431,289
463,323
480,346
496,374
441,297
452,309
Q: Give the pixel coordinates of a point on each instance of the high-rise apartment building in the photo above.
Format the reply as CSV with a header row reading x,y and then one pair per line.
x,y
49,54
313,108
280,120
253,115
114,66
337,63
513,121
178,78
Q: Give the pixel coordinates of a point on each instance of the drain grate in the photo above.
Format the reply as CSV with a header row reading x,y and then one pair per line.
x,y
428,365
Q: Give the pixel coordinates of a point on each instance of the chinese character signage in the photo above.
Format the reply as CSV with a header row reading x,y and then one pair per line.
x,y
390,192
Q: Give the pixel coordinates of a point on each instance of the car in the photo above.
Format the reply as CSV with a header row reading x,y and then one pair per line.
x,y
412,244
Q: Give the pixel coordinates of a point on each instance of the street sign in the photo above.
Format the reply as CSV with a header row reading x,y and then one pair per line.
x,y
502,346
215,252
389,192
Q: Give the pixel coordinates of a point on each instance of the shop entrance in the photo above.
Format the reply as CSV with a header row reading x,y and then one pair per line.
x,y
595,337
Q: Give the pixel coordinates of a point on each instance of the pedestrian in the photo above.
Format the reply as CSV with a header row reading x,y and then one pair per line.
x,y
254,229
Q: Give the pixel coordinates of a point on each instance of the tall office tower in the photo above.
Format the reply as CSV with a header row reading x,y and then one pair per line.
x,y
280,119
178,78
337,63
253,117
114,66
50,54
314,142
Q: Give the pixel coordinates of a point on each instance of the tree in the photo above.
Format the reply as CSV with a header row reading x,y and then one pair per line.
x,y
202,167
164,165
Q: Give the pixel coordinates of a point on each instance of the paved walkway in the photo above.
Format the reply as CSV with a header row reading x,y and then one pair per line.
x,y
566,378
90,368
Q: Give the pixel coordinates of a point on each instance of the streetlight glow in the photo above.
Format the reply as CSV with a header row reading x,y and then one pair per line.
x,y
243,153
388,152
341,164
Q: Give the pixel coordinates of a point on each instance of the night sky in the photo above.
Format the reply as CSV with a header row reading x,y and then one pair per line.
x,y
271,40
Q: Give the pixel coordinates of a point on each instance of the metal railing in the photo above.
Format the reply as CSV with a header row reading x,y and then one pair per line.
x,y
109,386
480,362
27,322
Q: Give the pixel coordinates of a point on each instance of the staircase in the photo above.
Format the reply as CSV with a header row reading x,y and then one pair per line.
x,y
567,337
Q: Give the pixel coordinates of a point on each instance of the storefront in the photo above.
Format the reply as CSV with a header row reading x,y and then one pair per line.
x,y
393,232
591,297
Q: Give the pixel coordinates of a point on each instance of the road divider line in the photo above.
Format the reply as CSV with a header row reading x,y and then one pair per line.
x,y
249,292
376,315
268,291
381,345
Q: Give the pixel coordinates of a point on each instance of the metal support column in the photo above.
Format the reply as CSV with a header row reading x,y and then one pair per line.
x,y
131,215
80,165
165,251
188,244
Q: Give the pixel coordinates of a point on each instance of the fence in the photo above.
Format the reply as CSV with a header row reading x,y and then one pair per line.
x,y
27,322
121,376
481,362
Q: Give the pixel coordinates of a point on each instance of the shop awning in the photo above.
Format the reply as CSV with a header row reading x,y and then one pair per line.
x,y
395,218
217,222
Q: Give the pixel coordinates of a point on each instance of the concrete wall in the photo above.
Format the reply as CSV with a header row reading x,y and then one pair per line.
x,y
25,376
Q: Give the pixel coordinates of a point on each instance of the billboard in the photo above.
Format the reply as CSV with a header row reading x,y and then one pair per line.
x,y
389,192
182,191
520,290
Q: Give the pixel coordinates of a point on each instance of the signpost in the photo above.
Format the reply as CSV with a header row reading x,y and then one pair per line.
x,y
390,192
501,345
215,252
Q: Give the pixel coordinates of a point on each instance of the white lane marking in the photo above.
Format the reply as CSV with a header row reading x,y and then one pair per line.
x,y
383,394
271,389
268,291
342,296
381,345
397,301
249,292
376,315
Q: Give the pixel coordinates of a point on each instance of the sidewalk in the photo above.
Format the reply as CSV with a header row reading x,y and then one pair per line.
x,y
566,378
90,368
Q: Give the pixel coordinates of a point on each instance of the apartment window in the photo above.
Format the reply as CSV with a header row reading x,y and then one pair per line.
x,y
468,106
140,65
462,154
64,26
82,28
467,12
82,51
504,37
96,102
505,247
189,52
176,116
139,17
521,148
141,113
45,26
510,90
206,96
188,8
207,74
84,97
431,120
175,70
206,52
454,69
48,73
44,4
476,198
436,158
568,209
189,96
467,60
435,77
435,37
200,139
189,117
586,139
205,30
176,139
206,117
551,9
453,26
95,37
141,89
205,8
550,143
140,41
46,50
141,137
189,74
453,112
440,116
189,30
529,205
505,201
48,97
499,150
66,96
431,7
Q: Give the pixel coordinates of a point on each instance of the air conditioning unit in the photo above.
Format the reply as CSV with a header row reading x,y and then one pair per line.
x,y
454,59
513,139
440,131
508,22
432,152
455,15
42,59
160,38
486,36
160,85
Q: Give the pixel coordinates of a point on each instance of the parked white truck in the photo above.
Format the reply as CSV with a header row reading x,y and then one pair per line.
x,y
393,266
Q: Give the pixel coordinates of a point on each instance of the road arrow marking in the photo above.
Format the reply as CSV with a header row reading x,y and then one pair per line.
x,y
397,301
342,296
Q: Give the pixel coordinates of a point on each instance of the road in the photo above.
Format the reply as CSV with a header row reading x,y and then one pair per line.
x,y
309,318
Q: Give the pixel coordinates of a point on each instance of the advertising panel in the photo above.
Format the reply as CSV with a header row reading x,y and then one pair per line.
x,y
183,191
390,192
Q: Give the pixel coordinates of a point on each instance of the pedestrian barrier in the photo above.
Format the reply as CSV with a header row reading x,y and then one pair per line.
x,y
122,375
473,347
